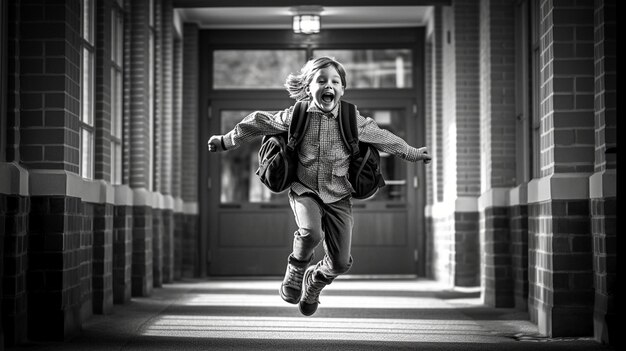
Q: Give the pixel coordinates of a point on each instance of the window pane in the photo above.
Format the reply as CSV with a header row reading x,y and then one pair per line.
x,y
88,10
246,69
385,68
393,169
86,164
87,88
239,182
116,163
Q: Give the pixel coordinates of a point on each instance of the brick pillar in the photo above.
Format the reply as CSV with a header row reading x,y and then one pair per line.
x,y
14,218
560,243
167,59
518,224
103,258
456,217
122,253
54,267
189,178
602,184
85,257
137,128
497,148
177,164
103,91
141,276
157,247
179,230
138,131
168,223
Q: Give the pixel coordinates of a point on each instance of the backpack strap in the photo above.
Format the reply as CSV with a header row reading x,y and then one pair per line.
x,y
348,128
299,124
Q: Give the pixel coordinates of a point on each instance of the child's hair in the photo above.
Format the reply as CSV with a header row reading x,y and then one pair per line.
x,y
296,83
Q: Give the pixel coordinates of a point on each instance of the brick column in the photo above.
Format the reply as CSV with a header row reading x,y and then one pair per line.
x,y
54,267
166,70
103,91
456,217
85,259
189,181
560,244
141,272
103,258
177,164
138,131
602,184
168,245
122,253
497,139
14,228
157,247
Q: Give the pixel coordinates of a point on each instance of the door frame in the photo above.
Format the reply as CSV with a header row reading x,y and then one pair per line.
x,y
361,38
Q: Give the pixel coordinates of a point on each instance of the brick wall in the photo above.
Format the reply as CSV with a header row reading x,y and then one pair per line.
x,y
464,117
136,98
168,245
103,258
466,249
141,272
443,248
190,259
177,120
561,267
567,87
605,62
54,267
518,217
157,247
190,113
428,112
122,253
179,230
437,105
497,67
13,100
603,227
497,270
85,259
103,91
14,210
167,60
49,85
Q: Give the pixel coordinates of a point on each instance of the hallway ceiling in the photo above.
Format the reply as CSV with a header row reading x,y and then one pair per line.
x,y
332,17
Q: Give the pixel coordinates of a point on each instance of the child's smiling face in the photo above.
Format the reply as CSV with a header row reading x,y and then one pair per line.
x,y
326,88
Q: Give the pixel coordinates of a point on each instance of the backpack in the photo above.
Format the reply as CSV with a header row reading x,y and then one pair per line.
x,y
278,155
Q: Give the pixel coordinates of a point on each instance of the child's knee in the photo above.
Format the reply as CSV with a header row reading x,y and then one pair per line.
x,y
340,265
309,235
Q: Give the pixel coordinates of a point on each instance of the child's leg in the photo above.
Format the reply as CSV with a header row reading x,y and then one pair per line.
x,y
308,215
337,223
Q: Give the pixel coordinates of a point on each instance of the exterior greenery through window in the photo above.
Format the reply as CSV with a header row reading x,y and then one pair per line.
x,y
87,94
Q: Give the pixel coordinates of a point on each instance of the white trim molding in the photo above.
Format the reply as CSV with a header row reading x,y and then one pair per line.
x,y
559,186
13,179
518,195
494,197
603,184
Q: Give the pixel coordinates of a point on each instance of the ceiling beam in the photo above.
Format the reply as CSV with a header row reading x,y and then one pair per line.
x,y
289,3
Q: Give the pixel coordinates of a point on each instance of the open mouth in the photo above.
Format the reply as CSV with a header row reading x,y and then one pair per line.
x,y
328,97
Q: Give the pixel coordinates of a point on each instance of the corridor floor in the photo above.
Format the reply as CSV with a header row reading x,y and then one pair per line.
x,y
233,314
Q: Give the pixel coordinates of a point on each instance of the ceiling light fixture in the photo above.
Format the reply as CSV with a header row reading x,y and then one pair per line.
x,y
307,19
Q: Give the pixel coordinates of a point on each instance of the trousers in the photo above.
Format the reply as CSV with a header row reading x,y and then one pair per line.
x,y
320,222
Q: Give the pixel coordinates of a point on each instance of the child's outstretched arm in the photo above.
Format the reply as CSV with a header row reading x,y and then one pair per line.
x,y
386,141
253,125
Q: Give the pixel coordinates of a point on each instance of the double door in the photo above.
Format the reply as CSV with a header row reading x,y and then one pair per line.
x,y
250,230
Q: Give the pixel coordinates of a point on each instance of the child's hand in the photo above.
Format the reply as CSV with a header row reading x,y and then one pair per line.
x,y
216,144
423,151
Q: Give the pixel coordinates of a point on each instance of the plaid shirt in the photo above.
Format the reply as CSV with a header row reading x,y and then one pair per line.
x,y
323,157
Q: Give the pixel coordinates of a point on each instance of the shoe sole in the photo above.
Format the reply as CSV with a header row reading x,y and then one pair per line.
x,y
308,272
287,299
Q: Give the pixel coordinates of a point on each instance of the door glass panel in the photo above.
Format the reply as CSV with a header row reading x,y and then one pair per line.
x,y
381,68
239,183
255,69
393,169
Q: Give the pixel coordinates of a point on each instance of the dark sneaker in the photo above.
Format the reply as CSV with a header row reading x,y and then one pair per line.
x,y
291,288
311,293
